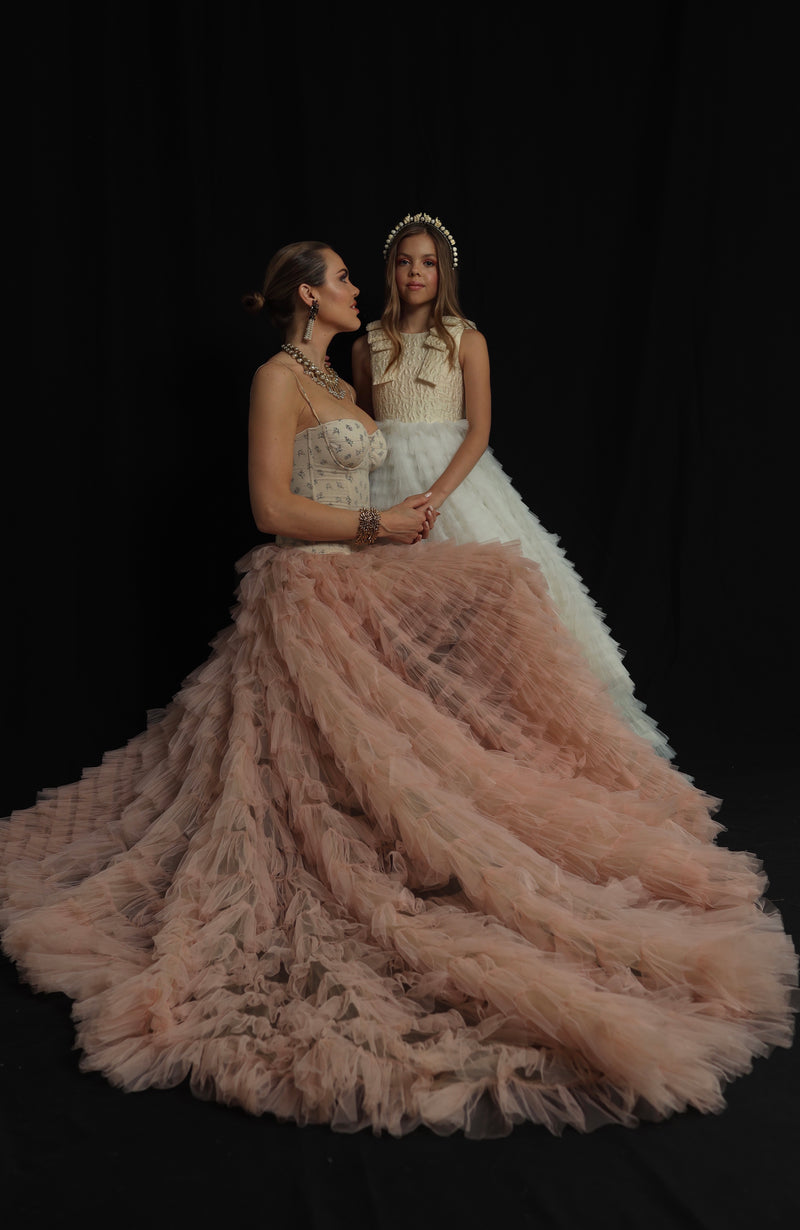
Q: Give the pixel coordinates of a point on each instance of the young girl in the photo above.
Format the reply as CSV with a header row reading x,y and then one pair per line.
x,y
422,370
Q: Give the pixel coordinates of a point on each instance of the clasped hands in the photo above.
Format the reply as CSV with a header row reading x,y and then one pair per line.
x,y
410,521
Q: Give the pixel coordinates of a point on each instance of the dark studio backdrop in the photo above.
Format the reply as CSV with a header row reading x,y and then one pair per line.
x,y
621,183
618,181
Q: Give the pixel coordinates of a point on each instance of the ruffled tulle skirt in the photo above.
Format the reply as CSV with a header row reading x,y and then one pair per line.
x,y
391,857
485,508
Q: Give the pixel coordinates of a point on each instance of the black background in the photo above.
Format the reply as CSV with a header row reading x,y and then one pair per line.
x,y
621,181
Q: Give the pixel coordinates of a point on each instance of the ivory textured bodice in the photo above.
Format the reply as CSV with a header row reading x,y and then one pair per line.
x,y
332,463
421,387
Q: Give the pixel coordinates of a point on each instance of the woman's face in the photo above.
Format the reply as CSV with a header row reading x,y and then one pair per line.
x,y
337,295
416,270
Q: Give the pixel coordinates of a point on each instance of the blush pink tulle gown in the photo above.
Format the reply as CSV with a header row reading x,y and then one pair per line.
x,y
391,857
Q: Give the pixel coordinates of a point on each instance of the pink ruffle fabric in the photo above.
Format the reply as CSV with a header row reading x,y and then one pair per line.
x,y
390,858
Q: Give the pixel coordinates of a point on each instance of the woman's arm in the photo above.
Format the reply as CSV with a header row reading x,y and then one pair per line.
x,y
276,411
474,359
362,373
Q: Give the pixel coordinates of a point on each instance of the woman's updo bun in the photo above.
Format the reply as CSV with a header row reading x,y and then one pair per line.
x,y
289,268
253,301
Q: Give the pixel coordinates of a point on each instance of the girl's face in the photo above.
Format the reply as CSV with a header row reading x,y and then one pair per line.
x,y
416,270
337,295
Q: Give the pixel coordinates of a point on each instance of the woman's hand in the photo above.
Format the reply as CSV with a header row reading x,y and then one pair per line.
x,y
432,512
410,521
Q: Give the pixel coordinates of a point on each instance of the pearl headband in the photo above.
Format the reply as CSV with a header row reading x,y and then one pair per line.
x,y
426,220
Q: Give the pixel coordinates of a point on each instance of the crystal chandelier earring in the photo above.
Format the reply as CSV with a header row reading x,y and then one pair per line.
x,y
312,316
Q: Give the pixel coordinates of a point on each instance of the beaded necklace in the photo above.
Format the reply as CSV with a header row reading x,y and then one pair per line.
x,y
327,380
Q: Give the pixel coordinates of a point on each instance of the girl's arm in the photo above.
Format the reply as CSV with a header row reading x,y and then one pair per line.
x,y
362,374
474,359
276,410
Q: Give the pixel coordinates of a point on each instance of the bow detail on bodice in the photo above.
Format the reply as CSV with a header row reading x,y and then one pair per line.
x,y
428,372
423,385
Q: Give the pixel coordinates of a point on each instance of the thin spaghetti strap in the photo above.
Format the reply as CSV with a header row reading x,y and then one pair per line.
x,y
320,423
307,400
303,393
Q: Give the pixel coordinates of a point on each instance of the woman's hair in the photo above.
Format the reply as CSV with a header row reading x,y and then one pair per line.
x,y
289,268
446,303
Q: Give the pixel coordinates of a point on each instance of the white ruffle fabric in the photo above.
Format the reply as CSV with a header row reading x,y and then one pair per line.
x,y
390,858
486,507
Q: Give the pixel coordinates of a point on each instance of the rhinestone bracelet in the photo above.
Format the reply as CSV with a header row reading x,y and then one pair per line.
x,y
369,524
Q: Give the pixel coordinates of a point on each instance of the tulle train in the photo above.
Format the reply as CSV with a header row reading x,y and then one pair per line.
x,y
391,857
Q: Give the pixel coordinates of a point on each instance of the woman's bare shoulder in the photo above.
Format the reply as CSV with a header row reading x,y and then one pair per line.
x,y
274,372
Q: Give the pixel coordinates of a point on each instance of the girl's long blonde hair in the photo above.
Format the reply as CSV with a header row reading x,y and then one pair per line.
x,y
446,303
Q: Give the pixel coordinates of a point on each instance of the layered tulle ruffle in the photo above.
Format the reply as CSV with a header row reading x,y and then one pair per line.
x,y
486,507
392,857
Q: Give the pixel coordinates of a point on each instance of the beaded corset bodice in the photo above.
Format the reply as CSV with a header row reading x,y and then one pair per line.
x,y
332,464
421,387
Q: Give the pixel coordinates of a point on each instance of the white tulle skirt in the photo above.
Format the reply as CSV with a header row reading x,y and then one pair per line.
x,y
486,507
391,857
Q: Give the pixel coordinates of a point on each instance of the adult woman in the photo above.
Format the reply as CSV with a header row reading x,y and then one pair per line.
x,y
423,371
390,857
